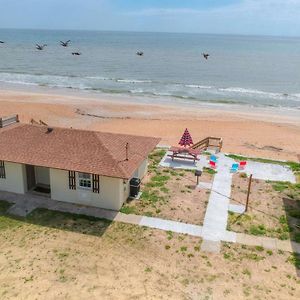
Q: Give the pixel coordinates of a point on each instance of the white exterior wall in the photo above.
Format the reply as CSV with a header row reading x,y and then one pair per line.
x,y
111,194
15,180
142,170
42,175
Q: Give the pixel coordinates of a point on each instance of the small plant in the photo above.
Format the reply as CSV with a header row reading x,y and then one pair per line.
x,y
183,248
169,235
62,276
246,272
259,248
148,269
269,252
167,247
197,248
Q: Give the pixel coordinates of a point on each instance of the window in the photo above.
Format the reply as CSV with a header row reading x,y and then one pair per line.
x,y
85,180
2,169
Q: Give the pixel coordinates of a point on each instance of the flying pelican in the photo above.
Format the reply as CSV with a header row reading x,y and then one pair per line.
x,y
65,44
76,53
40,47
140,53
205,55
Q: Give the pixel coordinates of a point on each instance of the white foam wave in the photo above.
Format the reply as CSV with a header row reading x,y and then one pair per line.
x,y
195,86
133,81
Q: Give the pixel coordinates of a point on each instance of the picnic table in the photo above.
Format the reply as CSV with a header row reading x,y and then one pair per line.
x,y
184,153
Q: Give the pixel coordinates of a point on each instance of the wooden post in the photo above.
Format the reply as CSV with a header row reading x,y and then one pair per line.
x,y
248,194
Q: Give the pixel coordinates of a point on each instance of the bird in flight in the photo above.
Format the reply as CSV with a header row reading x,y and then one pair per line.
x,y
205,55
65,44
40,47
76,53
1,42
140,53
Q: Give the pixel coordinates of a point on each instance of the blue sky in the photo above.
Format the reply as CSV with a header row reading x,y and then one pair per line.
x,y
268,17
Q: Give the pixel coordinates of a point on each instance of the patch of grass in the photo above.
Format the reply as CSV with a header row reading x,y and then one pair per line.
x,y
209,171
183,248
294,259
258,229
164,190
280,186
150,196
158,181
167,247
254,256
68,221
128,210
259,248
148,269
9,223
4,206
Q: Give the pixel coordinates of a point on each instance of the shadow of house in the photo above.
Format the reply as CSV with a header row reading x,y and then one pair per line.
x,y
78,223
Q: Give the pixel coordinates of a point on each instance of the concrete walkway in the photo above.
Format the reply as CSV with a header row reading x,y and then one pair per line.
x,y
215,220
24,204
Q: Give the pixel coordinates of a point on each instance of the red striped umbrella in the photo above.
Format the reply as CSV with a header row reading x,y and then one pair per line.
x,y
186,139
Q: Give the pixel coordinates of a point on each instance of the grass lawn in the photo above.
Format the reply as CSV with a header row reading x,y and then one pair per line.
x,y
53,255
170,193
274,208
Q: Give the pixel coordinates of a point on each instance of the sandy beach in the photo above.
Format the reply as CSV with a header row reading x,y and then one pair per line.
x,y
260,132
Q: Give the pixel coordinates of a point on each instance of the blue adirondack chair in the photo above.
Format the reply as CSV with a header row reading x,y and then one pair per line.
x,y
213,158
234,168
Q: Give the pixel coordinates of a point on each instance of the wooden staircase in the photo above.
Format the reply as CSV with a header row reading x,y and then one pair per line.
x,y
6,121
209,142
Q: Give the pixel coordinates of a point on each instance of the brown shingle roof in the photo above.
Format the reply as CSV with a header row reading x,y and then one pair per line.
x,y
77,150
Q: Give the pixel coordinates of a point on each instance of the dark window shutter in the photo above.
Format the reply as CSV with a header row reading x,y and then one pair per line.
x,y
2,169
96,184
72,180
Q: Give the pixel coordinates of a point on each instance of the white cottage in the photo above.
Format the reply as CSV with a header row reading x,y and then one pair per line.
x,y
78,166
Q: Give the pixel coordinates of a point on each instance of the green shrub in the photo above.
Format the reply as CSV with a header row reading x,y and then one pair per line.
x,y
258,230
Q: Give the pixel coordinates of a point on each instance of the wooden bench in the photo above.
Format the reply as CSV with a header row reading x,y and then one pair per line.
x,y
190,154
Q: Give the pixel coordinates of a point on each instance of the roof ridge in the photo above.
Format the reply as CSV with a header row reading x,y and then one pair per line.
x,y
114,159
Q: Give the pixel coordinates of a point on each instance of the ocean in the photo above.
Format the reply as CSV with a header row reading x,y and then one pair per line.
x,y
244,70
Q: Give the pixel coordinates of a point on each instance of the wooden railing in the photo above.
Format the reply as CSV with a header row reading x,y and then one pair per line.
x,y
6,121
209,142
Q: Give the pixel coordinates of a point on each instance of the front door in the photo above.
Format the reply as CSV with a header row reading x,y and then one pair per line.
x,y
30,174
